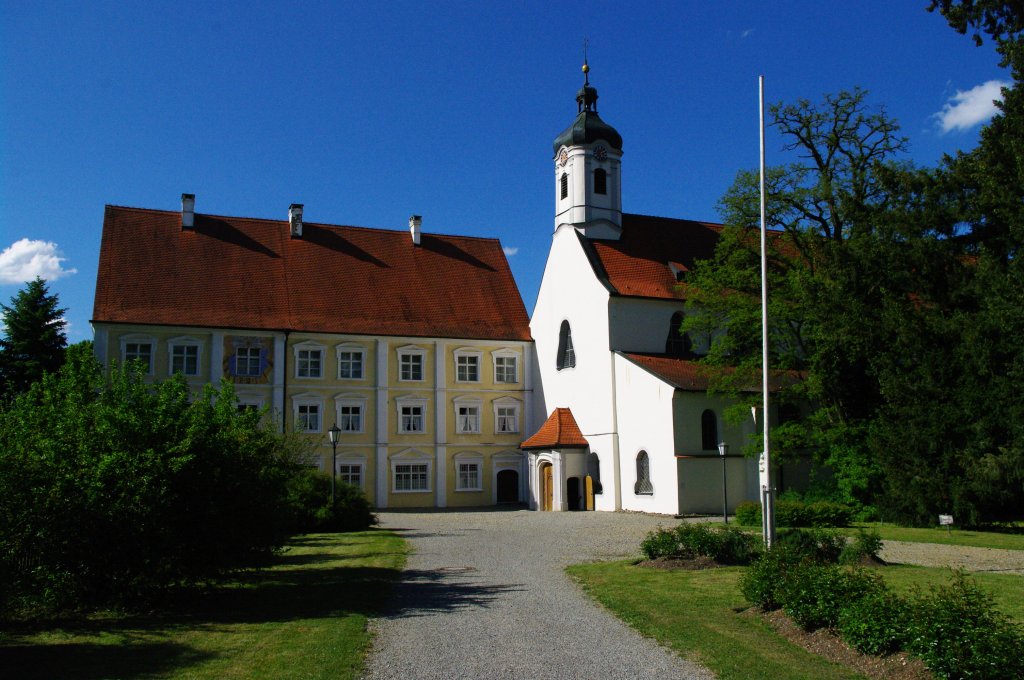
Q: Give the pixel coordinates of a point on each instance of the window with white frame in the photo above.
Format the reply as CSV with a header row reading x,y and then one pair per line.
x,y
138,348
308,411
467,366
350,413
506,368
184,356
467,415
506,415
309,361
468,472
247,361
410,364
410,475
350,362
351,473
249,402
411,415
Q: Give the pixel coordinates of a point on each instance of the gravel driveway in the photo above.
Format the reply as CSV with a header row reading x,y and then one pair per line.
x,y
485,595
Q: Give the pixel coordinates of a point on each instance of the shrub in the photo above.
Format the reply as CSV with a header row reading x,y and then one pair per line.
x,y
698,540
748,514
309,493
958,633
866,544
828,514
813,594
814,545
875,624
762,582
736,546
660,543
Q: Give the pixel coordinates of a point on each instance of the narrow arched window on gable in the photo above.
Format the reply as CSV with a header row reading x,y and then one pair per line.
x,y
643,486
565,185
566,354
709,431
678,343
600,181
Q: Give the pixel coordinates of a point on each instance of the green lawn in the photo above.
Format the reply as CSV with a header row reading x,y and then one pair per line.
x,y
698,613
303,617
1010,540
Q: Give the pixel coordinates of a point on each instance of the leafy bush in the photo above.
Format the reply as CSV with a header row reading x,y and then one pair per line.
x,y
309,494
736,546
813,545
796,513
725,545
958,633
875,624
762,582
813,595
660,543
748,514
866,544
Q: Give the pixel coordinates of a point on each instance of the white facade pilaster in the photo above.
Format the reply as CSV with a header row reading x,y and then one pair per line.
x,y
381,423
440,424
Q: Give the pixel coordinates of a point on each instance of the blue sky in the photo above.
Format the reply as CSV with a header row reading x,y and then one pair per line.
x,y
368,112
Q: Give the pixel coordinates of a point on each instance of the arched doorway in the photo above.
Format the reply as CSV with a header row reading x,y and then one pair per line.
x,y
508,486
547,487
572,493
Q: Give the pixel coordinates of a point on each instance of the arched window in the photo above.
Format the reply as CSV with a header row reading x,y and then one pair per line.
x,y
678,343
566,354
709,431
565,185
594,470
600,181
643,486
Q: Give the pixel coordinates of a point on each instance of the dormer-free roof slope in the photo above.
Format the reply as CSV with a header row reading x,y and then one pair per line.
x,y
245,273
559,431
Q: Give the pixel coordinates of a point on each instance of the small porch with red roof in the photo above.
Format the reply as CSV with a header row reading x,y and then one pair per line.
x,y
558,474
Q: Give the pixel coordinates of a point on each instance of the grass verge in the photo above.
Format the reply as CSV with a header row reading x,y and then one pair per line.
x,y
1009,540
304,616
698,614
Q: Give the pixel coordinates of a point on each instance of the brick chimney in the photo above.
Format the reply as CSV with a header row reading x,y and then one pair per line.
x,y
415,221
295,219
188,210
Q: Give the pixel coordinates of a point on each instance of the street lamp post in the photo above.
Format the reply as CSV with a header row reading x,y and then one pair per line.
x,y
333,434
723,449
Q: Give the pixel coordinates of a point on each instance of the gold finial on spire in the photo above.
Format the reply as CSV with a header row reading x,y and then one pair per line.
x,y
586,67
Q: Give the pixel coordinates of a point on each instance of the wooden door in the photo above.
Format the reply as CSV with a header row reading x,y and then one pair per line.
x,y
549,488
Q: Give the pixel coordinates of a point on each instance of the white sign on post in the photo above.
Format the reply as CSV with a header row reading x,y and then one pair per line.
x,y
945,520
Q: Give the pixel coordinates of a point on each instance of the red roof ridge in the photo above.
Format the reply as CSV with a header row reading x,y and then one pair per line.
x,y
559,431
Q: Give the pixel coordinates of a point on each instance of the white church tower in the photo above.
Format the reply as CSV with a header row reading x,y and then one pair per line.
x,y
588,182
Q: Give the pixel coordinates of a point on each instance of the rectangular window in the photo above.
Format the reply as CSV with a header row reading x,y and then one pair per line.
x,y
412,477
508,419
412,419
351,418
350,365
468,419
350,474
469,477
467,368
506,370
185,359
247,361
410,367
308,418
310,363
143,351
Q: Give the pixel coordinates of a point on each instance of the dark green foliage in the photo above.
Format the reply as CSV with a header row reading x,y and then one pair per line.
x,y
865,545
34,341
813,545
875,624
813,595
724,545
796,513
958,633
112,489
309,495
763,581
748,514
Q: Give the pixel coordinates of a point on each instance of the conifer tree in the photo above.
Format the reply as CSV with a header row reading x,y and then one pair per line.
x,y
34,339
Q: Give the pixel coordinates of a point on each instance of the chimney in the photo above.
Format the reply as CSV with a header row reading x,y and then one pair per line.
x,y
295,219
414,228
188,210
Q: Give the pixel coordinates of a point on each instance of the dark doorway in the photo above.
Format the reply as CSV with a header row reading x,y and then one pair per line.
x,y
508,486
572,492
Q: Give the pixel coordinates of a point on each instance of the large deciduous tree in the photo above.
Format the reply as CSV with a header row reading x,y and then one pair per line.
x,y
34,341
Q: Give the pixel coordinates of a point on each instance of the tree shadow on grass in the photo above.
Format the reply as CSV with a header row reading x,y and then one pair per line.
x,y
87,660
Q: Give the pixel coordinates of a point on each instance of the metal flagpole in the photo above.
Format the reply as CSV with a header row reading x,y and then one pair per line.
x,y
765,467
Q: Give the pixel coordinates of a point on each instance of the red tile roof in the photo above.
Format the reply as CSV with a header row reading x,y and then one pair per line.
x,y
245,273
559,431
691,376
638,263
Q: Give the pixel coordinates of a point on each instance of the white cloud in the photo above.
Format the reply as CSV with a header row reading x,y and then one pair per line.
x,y
964,110
746,33
510,251
24,260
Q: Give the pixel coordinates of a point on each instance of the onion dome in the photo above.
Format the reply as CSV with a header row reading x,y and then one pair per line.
x,y
588,126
